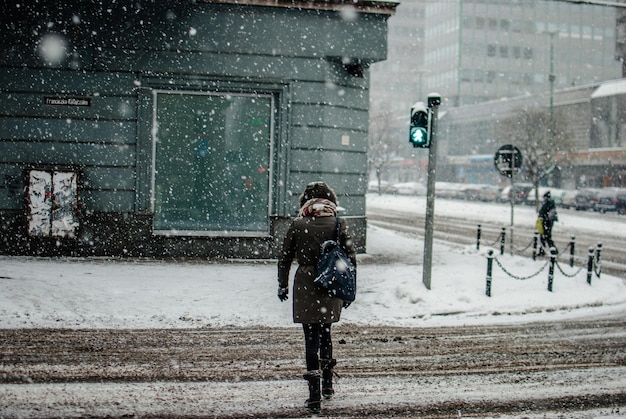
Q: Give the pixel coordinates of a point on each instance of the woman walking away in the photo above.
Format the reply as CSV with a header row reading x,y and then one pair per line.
x,y
312,306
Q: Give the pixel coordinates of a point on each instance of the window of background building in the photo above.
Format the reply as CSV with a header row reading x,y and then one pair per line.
x,y
528,53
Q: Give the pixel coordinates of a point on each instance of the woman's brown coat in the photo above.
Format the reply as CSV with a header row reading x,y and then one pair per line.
x,y
303,242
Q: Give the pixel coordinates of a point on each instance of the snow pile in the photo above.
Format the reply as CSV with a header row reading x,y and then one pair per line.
x,y
97,293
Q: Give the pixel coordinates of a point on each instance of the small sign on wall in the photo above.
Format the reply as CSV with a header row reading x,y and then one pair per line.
x,y
66,101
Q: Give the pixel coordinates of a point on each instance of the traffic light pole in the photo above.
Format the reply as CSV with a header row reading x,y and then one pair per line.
x,y
434,100
513,197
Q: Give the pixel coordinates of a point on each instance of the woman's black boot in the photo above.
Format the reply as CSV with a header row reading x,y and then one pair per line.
x,y
327,377
314,402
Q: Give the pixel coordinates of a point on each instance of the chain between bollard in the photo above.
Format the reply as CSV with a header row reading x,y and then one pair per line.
x,y
520,278
522,250
558,265
593,261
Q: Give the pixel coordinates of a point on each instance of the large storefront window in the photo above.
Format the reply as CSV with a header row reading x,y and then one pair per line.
x,y
212,163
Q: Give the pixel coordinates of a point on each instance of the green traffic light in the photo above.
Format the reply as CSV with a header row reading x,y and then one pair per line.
x,y
419,136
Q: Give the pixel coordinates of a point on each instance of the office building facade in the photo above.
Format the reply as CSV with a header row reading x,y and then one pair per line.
x,y
481,50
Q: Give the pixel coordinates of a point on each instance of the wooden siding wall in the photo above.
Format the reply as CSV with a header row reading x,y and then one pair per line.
x,y
118,52
100,139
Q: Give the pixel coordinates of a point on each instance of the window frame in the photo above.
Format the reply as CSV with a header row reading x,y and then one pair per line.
x,y
272,95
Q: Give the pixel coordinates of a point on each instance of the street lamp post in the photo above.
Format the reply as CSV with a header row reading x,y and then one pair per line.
x,y
552,79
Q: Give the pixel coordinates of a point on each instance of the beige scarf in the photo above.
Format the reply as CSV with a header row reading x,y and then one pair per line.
x,y
318,207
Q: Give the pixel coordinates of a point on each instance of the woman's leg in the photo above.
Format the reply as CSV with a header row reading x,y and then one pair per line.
x,y
312,345
313,375
326,360
326,342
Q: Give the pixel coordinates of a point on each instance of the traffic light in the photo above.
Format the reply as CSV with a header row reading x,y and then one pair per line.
x,y
419,134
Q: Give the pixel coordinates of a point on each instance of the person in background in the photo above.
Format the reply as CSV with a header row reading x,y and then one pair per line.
x,y
548,216
312,306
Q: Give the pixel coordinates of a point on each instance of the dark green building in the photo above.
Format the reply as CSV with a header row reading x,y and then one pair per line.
x,y
180,128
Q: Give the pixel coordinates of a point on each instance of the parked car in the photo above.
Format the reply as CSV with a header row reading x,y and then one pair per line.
x,y
568,199
471,192
585,200
409,188
450,190
489,193
621,203
521,193
607,200
385,187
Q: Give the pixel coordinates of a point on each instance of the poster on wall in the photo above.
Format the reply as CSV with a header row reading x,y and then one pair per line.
x,y
52,204
39,203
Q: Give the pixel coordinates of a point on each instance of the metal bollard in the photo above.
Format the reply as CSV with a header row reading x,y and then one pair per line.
x,y
590,264
489,272
478,233
598,260
551,270
572,245
535,242
502,240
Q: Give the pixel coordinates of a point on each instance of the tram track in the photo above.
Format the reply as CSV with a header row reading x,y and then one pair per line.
x,y
464,232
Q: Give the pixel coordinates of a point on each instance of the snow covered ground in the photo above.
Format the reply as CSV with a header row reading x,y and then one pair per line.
x,y
105,293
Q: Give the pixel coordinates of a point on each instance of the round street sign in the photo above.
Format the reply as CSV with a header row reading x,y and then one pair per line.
x,y
508,159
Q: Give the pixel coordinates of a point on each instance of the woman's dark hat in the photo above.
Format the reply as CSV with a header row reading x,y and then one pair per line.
x,y
317,190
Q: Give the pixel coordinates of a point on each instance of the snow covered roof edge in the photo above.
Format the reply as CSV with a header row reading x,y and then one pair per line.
x,y
385,7
610,88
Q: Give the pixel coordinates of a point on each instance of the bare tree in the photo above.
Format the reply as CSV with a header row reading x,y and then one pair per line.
x,y
383,146
540,134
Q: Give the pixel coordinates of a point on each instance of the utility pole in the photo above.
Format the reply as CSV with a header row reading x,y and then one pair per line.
x,y
434,100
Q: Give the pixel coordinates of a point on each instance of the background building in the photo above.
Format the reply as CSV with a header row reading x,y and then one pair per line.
x,y
594,115
493,49
398,82
487,57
